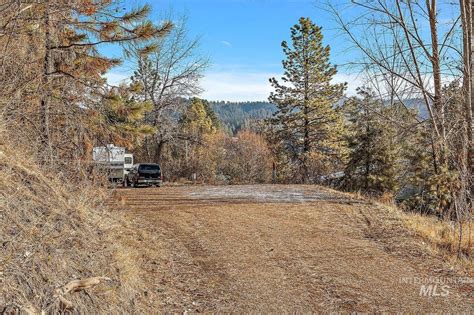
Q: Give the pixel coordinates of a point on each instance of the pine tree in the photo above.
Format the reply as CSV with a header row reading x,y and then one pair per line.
x,y
122,114
438,190
216,124
196,124
372,163
199,119
68,64
308,124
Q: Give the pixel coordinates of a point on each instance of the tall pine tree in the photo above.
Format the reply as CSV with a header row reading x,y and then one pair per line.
x,y
373,153
63,40
308,125
198,119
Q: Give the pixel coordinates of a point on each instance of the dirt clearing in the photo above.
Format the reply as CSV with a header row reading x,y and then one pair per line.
x,y
271,248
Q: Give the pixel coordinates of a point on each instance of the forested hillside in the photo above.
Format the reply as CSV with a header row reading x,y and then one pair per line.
x,y
235,116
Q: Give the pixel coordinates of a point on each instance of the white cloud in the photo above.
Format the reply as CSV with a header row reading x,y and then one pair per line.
x,y
237,86
254,86
116,78
226,43
353,82
240,84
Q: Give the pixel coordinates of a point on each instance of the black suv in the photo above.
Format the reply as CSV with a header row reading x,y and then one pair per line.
x,y
144,174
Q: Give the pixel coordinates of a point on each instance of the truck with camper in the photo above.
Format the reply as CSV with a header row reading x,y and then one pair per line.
x,y
114,161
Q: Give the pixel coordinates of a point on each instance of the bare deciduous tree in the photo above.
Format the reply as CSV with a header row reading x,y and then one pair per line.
x,y
168,76
405,46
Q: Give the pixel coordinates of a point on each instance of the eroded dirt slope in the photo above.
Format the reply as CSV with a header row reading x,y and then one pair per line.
x,y
280,248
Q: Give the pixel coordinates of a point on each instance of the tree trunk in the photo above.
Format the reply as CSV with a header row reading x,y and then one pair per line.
x,y
306,146
159,145
435,62
147,148
306,141
469,100
46,87
468,83
368,159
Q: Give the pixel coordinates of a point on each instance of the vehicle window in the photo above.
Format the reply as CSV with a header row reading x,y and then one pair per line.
x,y
128,160
149,168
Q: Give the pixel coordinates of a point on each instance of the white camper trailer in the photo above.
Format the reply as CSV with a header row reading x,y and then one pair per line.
x,y
128,163
114,161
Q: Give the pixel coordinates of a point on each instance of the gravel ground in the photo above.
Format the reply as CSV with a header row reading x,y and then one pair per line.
x,y
276,248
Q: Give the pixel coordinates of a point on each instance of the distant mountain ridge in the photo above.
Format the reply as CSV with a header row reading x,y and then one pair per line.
x,y
235,116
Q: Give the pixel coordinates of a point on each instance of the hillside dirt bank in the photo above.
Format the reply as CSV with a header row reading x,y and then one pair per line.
x,y
271,248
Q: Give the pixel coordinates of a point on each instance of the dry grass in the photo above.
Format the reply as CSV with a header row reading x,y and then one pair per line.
x,y
442,236
53,232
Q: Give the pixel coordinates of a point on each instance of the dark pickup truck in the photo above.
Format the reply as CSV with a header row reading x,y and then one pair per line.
x,y
144,174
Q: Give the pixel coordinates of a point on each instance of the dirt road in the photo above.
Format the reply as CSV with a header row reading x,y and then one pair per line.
x,y
282,248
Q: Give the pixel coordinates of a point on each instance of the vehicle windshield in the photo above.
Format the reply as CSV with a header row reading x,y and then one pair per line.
x,y
149,168
128,160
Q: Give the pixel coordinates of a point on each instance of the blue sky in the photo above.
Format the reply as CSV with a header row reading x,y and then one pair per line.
x,y
242,39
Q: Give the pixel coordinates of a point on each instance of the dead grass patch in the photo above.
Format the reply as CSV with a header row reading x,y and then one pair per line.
x,y
442,236
54,231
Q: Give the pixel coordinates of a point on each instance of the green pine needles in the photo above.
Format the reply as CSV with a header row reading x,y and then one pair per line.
x,y
308,125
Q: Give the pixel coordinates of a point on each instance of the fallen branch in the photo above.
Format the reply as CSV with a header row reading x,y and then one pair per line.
x,y
74,286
